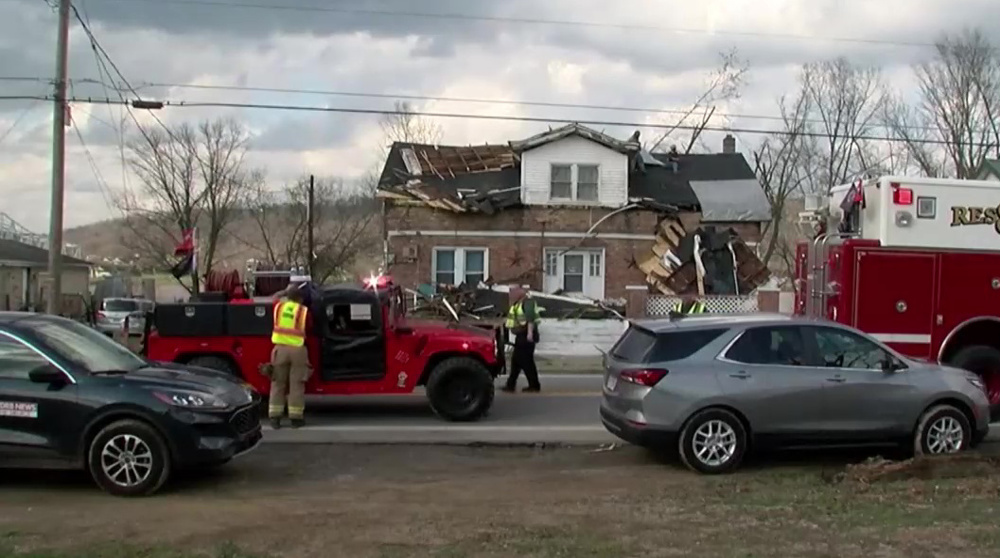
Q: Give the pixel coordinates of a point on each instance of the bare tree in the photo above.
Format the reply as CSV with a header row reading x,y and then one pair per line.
x,y
725,84
342,226
190,177
783,164
845,104
956,123
405,125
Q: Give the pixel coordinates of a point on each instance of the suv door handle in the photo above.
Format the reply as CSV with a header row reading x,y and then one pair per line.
x,y
838,379
740,375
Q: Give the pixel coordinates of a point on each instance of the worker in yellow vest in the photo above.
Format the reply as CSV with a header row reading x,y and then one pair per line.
x,y
289,359
522,323
689,304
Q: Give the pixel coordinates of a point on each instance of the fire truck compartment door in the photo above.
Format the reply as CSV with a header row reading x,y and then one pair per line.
x,y
894,299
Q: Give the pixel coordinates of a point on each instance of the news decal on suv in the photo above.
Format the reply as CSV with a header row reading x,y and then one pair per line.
x,y
72,398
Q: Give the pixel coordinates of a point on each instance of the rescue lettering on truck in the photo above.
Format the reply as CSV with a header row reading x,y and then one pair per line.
x,y
915,262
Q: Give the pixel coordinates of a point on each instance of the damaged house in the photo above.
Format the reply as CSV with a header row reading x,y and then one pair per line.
x,y
573,211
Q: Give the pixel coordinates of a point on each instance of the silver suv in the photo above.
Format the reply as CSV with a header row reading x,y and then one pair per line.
x,y
714,386
111,316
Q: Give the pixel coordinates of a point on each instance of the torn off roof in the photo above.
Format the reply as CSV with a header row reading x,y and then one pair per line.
x,y
557,134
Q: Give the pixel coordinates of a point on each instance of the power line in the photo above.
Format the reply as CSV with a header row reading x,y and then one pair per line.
x,y
17,121
471,100
529,21
533,119
102,184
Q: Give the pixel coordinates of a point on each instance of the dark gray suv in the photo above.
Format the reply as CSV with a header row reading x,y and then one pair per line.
x,y
713,386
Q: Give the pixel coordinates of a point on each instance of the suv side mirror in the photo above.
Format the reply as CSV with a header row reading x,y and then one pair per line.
x,y
47,374
890,364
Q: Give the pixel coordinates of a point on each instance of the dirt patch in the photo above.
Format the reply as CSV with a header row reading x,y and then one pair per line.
x,y
879,469
341,501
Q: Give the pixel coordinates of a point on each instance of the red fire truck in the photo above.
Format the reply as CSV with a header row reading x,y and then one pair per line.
x,y
360,343
914,262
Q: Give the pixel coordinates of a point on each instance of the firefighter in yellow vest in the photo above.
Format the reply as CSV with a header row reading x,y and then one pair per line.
x,y
289,359
522,323
689,305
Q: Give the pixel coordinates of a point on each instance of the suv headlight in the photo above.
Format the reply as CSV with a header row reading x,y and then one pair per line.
x,y
190,399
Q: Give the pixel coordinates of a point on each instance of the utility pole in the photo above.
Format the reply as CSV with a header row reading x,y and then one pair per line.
x,y
310,210
60,108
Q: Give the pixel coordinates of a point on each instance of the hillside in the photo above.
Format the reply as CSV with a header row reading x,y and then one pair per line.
x,y
242,240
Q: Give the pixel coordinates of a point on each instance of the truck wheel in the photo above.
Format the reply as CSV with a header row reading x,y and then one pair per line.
x,y
215,363
942,430
984,361
460,389
129,458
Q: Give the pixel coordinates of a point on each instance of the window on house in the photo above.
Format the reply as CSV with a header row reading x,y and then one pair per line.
x,y
444,267
562,182
552,263
455,266
573,273
595,264
586,183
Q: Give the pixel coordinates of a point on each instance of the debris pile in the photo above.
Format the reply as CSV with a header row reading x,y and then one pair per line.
x,y
705,261
488,304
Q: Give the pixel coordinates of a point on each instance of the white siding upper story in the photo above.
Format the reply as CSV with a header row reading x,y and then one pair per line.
x,y
575,152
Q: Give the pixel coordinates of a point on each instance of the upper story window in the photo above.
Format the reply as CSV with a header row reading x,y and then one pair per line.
x,y
575,182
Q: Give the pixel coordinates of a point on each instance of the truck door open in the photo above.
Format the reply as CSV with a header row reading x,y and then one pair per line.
x,y
895,297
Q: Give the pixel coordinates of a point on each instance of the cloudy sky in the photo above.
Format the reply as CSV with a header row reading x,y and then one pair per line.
x,y
637,54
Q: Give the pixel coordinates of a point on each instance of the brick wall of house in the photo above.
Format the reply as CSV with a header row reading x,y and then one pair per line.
x,y
519,259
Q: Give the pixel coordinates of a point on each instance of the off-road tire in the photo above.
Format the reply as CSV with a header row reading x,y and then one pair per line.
x,y
921,445
685,447
161,459
473,377
975,358
215,363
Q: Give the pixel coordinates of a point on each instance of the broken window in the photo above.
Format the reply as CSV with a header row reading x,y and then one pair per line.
x,y
562,182
586,183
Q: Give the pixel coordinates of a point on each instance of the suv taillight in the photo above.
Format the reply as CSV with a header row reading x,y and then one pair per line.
x,y
648,377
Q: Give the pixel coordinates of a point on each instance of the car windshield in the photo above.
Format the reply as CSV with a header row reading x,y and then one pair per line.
x,y
120,305
85,347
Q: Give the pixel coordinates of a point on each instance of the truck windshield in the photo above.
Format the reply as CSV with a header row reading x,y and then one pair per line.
x,y
85,347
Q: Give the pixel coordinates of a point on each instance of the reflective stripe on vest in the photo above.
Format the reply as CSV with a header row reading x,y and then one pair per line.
x,y
289,324
697,308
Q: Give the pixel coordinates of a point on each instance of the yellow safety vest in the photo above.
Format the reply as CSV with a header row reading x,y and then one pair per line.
x,y
697,308
516,318
289,324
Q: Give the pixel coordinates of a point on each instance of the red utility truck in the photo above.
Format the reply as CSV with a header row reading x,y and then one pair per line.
x,y
360,343
914,262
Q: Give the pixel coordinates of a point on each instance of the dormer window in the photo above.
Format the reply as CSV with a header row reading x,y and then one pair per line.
x,y
575,182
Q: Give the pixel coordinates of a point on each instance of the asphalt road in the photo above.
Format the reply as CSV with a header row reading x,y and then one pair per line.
x,y
566,412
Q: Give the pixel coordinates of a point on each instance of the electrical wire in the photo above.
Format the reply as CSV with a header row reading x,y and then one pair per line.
x,y
18,120
470,100
532,119
243,5
102,184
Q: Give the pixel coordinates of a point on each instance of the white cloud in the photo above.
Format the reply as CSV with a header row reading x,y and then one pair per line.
x,y
595,65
